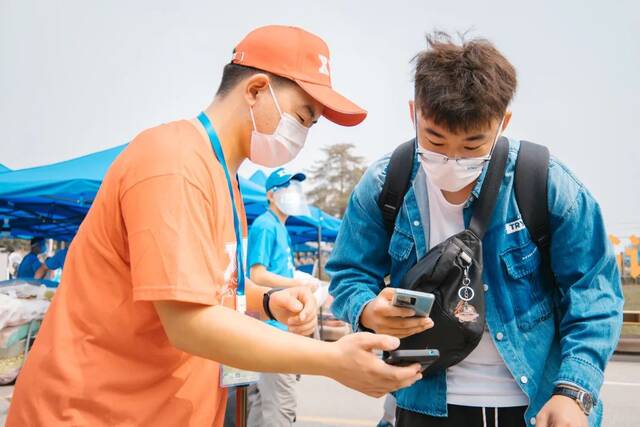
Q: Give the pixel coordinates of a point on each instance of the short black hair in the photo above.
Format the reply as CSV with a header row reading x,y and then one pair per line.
x,y
36,240
462,86
232,74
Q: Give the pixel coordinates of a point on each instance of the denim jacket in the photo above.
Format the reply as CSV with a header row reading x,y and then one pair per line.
x,y
547,332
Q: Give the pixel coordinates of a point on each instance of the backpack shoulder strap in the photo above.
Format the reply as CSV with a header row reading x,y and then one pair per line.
x,y
396,183
483,210
531,183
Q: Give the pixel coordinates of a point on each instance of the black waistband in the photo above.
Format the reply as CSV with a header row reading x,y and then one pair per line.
x,y
464,416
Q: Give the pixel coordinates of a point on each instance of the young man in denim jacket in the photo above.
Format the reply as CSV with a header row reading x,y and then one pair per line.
x,y
547,338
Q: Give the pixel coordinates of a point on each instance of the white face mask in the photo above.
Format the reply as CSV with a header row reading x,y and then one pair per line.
x,y
291,200
454,174
280,147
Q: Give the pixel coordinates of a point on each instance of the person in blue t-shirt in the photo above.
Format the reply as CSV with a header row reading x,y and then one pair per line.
x,y
52,263
269,254
31,263
270,263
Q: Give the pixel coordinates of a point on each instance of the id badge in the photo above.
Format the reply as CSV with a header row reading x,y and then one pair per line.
x,y
234,377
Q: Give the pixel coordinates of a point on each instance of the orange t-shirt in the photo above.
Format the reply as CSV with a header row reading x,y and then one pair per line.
x,y
160,228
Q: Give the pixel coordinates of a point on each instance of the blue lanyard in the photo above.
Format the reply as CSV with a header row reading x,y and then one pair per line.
x,y
217,149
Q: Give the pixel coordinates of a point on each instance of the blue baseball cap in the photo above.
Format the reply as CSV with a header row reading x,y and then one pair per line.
x,y
280,177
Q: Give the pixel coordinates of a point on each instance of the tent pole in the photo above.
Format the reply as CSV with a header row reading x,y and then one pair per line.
x,y
241,406
320,275
319,252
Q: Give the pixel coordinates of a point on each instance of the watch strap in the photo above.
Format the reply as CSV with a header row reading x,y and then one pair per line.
x,y
265,302
566,391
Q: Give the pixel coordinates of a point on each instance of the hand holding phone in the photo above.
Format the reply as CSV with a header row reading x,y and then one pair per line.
x,y
420,302
381,316
424,357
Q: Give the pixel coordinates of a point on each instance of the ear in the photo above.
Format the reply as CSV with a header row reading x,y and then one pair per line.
x,y
254,85
412,112
507,120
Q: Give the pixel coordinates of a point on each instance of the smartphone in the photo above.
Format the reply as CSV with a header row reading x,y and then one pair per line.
x,y
420,302
424,357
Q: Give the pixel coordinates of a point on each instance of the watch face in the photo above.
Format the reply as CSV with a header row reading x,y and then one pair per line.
x,y
587,402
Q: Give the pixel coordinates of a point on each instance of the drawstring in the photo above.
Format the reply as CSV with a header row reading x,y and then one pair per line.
x,y
484,417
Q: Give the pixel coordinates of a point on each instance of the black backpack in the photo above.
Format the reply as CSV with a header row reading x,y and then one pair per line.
x,y
455,265
530,186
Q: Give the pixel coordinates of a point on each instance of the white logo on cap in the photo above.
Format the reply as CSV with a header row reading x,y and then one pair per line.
x,y
282,173
324,65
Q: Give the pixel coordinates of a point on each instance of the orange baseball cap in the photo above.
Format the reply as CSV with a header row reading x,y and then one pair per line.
x,y
300,56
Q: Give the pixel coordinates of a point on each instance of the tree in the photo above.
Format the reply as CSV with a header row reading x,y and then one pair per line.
x,y
334,177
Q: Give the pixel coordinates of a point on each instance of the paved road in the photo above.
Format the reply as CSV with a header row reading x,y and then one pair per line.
x,y
325,403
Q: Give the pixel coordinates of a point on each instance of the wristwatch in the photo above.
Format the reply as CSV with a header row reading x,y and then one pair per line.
x,y
265,302
582,398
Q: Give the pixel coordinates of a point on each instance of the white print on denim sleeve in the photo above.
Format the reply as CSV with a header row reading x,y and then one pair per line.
x,y
515,226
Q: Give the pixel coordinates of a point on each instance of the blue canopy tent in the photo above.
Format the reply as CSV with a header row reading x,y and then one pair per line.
x,y
259,177
3,168
52,200
300,230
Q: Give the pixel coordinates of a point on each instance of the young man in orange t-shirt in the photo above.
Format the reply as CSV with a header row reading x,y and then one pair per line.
x,y
152,295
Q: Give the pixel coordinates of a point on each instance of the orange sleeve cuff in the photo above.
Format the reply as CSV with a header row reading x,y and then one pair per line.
x,y
175,294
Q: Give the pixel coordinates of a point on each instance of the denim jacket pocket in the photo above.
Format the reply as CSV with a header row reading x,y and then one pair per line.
x,y
530,304
401,247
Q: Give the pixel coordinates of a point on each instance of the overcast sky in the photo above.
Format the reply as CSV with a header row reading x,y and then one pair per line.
x,y
80,76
